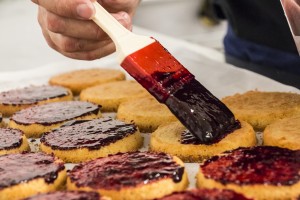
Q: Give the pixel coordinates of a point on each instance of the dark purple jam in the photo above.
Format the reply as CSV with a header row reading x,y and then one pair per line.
x,y
52,113
171,83
126,170
256,165
66,195
205,194
23,167
32,94
10,138
188,138
0,117
92,134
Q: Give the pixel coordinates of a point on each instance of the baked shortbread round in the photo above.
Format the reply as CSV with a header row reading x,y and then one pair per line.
x,y
26,174
147,113
78,80
261,172
68,195
175,139
12,141
35,120
205,194
110,95
87,140
138,175
12,101
284,133
263,108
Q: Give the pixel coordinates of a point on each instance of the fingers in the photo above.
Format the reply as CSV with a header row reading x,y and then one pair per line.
x,y
79,9
292,9
113,6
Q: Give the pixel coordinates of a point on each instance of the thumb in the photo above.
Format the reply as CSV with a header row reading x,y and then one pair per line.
x,y
82,9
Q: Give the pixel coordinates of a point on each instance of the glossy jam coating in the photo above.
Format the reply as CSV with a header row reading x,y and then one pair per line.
x,y
92,134
205,194
126,170
32,94
53,113
188,138
10,138
67,195
23,167
256,165
171,83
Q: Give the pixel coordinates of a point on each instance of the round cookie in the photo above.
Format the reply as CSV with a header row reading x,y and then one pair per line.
x,y
205,194
110,95
12,101
263,108
138,175
147,113
12,141
80,79
284,133
26,174
261,172
175,139
68,195
35,120
87,140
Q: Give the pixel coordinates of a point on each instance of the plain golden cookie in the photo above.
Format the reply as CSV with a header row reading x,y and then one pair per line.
x,y
27,174
80,79
263,108
12,141
261,172
147,113
89,139
15,100
36,120
167,138
283,133
137,175
110,95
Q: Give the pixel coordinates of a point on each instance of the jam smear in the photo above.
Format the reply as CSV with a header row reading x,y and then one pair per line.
x,y
91,134
66,195
52,113
205,194
23,167
32,94
171,83
126,170
256,165
188,138
10,138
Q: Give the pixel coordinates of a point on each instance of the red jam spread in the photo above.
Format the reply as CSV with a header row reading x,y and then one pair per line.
x,y
126,170
91,134
23,167
66,195
205,194
32,94
256,165
10,138
52,113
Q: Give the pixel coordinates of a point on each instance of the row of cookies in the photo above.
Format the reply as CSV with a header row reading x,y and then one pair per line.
x,y
261,172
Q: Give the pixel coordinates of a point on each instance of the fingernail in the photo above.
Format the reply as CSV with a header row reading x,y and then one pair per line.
x,y
86,10
122,16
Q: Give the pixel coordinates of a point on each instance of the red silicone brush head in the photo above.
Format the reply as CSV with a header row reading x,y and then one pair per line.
x,y
171,83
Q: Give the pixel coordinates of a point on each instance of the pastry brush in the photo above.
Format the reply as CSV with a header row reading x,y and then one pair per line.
x,y
147,61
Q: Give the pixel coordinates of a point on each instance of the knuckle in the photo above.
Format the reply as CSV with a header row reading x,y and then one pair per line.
x,y
68,44
55,23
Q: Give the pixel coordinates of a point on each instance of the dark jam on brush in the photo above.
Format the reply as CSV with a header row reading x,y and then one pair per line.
x,y
126,170
256,165
66,195
52,113
32,95
92,134
10,138
23,167
169,82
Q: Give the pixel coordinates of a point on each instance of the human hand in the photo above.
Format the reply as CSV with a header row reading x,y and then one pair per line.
x,y
292,11
67,29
